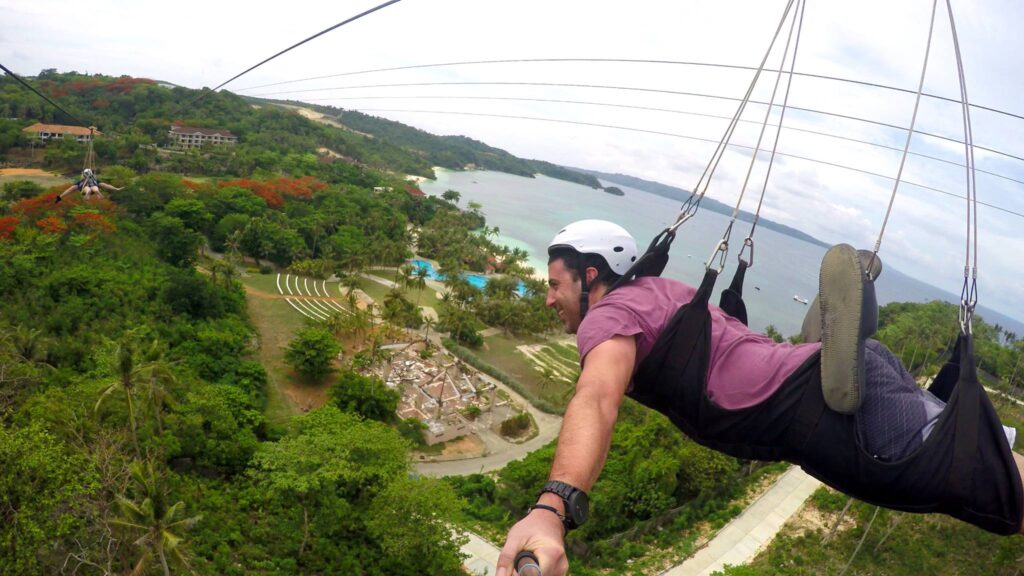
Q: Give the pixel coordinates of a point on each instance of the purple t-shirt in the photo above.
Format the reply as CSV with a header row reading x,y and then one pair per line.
x,y
745,367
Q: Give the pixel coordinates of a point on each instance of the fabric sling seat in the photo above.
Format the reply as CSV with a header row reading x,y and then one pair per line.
x,y
965,467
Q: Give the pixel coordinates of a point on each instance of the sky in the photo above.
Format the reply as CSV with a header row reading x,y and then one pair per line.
x,y
826,180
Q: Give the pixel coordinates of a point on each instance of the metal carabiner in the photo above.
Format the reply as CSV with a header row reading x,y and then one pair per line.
x,y
748,242
721,248
968,299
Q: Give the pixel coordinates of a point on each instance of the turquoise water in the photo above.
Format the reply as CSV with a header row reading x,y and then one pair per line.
x,y
477,280
529,211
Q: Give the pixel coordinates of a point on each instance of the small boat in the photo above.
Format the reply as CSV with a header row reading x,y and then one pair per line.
x,y
799,299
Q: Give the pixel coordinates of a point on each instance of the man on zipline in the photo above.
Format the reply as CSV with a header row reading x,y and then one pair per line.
x,y
845,409
89,185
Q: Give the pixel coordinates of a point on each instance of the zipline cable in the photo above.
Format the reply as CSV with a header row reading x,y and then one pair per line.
x,y
692,204
293,46
748,242
631,61
695,138
906,144
668,111
969,291
643,90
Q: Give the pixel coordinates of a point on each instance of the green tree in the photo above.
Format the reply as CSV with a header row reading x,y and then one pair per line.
x,y
190,211
134,368
367,396
311,353
19,189
452,196
176,243
42,488
411,522
156,525
331,455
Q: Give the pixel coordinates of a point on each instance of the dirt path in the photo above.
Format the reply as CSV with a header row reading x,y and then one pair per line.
x,y
26,172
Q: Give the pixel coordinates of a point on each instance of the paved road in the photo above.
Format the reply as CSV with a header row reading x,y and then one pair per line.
x,y
742,539
483,556
499,453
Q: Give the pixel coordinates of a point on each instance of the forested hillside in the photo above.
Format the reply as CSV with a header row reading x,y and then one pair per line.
x,y
453,152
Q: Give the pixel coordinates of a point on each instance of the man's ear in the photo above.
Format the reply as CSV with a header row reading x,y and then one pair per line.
x,y
592,274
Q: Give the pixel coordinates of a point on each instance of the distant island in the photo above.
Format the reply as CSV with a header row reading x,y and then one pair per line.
x,y
614,191
673,193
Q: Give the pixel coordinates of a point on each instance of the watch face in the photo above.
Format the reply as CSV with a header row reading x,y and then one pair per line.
x,y
579,507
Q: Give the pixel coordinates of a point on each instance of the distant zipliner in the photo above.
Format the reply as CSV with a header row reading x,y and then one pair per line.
x,y
89,185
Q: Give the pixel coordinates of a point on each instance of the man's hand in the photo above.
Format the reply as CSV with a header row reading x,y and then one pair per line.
x,y
541,532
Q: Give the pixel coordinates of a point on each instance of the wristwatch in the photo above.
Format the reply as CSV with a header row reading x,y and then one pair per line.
x,y
577,503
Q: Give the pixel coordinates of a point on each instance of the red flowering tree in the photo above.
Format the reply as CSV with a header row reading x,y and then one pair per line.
x,y
52,225
7,226
93,222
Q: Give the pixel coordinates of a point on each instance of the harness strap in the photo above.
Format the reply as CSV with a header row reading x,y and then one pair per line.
x,y
731,300
653,260
961,473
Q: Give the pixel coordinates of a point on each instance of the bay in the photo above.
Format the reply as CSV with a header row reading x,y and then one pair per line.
x,y
529,211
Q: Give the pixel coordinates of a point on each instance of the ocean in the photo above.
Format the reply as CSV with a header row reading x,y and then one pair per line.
x,y
529,211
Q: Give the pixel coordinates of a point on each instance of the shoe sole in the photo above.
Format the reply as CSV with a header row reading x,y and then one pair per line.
x,y
841,292
810,330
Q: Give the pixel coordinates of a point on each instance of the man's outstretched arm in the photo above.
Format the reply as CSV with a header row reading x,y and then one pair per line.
x,y
582,448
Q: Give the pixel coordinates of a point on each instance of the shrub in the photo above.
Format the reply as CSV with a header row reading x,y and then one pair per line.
x,y
515,425
312,352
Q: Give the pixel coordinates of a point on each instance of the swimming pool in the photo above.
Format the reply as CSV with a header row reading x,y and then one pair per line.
x,y
477,280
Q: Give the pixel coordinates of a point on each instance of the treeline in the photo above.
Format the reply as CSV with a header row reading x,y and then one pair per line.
x,y
453,152
921,335
135,115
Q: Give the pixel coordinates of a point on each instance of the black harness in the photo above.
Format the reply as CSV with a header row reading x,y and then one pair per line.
x,y
964,468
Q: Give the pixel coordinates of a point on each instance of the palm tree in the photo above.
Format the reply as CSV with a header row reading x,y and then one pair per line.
x,y
225,271
428,323
419,282
27,342
150,370
157,525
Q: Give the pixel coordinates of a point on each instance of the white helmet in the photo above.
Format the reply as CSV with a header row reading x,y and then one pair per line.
x,y
607,239
87,172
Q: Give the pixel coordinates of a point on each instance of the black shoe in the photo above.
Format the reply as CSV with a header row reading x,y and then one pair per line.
x,y
849,315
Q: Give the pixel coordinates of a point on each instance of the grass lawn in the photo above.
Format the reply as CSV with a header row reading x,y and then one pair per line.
x,y
500,352
377,291
45,181
276,323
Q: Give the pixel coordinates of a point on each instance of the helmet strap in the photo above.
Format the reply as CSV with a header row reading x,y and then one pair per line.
x,y
584,293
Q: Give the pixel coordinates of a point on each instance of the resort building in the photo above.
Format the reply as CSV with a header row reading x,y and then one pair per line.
x,y
46,132
194,137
